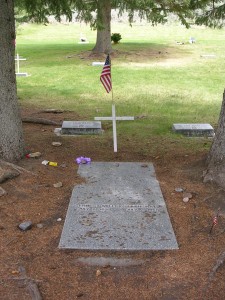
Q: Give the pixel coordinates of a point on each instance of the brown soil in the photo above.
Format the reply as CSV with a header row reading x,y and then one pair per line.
x,y
188,273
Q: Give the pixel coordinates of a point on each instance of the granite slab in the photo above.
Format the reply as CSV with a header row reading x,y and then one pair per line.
x,y
81,127
194,129
119,207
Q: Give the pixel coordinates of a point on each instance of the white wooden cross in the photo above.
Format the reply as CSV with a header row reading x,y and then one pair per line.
x,y
114,119
17,59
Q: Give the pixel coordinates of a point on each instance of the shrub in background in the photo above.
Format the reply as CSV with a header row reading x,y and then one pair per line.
x,y
116,37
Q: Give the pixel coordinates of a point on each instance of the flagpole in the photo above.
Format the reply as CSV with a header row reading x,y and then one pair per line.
x,y
113,116
111,77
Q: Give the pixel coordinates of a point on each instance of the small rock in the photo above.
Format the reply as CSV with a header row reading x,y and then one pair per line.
x,y
46,185
179,190
25,225
57,131
56,144
39,225
58,184
188,195
185,199
98,273
2,192
63,165
59,219
80,295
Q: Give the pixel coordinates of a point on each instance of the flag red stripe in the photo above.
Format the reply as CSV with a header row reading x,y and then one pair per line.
x,y
106,80
215,221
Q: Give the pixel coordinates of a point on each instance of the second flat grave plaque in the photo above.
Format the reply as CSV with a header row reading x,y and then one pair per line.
x,y
81,127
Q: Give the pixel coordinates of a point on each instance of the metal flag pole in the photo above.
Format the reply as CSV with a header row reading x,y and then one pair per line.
x,y
113,116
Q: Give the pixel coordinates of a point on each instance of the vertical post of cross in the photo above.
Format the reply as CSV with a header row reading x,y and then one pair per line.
x,y
114,127
113,113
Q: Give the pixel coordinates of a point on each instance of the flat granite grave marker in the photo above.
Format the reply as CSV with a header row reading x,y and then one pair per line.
x,y
81,127
119,207
194,129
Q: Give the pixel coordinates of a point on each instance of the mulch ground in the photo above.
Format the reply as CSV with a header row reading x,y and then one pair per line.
x,y
31,262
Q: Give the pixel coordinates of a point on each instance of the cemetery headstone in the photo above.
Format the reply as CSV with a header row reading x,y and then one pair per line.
x,y
81,127
119,207
192,130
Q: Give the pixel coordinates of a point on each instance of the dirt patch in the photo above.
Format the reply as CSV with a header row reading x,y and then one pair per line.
x,y
58,274
162,55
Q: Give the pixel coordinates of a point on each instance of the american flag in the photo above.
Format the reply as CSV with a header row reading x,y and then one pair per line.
x,y
105,77
215,221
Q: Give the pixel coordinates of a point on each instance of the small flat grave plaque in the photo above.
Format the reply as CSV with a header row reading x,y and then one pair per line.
x,y
194,129
98,63
119,207
22,74
81,127
208,56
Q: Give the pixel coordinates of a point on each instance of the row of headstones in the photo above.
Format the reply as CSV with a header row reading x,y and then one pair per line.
x,y
96,63
95,127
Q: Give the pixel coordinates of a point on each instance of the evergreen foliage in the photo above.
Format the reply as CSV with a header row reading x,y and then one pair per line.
x,y
208,12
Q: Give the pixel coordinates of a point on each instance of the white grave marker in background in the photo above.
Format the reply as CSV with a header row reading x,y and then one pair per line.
x,y
18,59
98,63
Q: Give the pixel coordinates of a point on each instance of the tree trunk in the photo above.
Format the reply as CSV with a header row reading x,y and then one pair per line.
x,y
11,137
215,171
103,42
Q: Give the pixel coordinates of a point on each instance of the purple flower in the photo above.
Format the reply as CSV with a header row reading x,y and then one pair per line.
x,y
83,160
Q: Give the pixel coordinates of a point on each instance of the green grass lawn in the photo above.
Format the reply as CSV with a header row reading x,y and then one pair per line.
x,y
152,74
